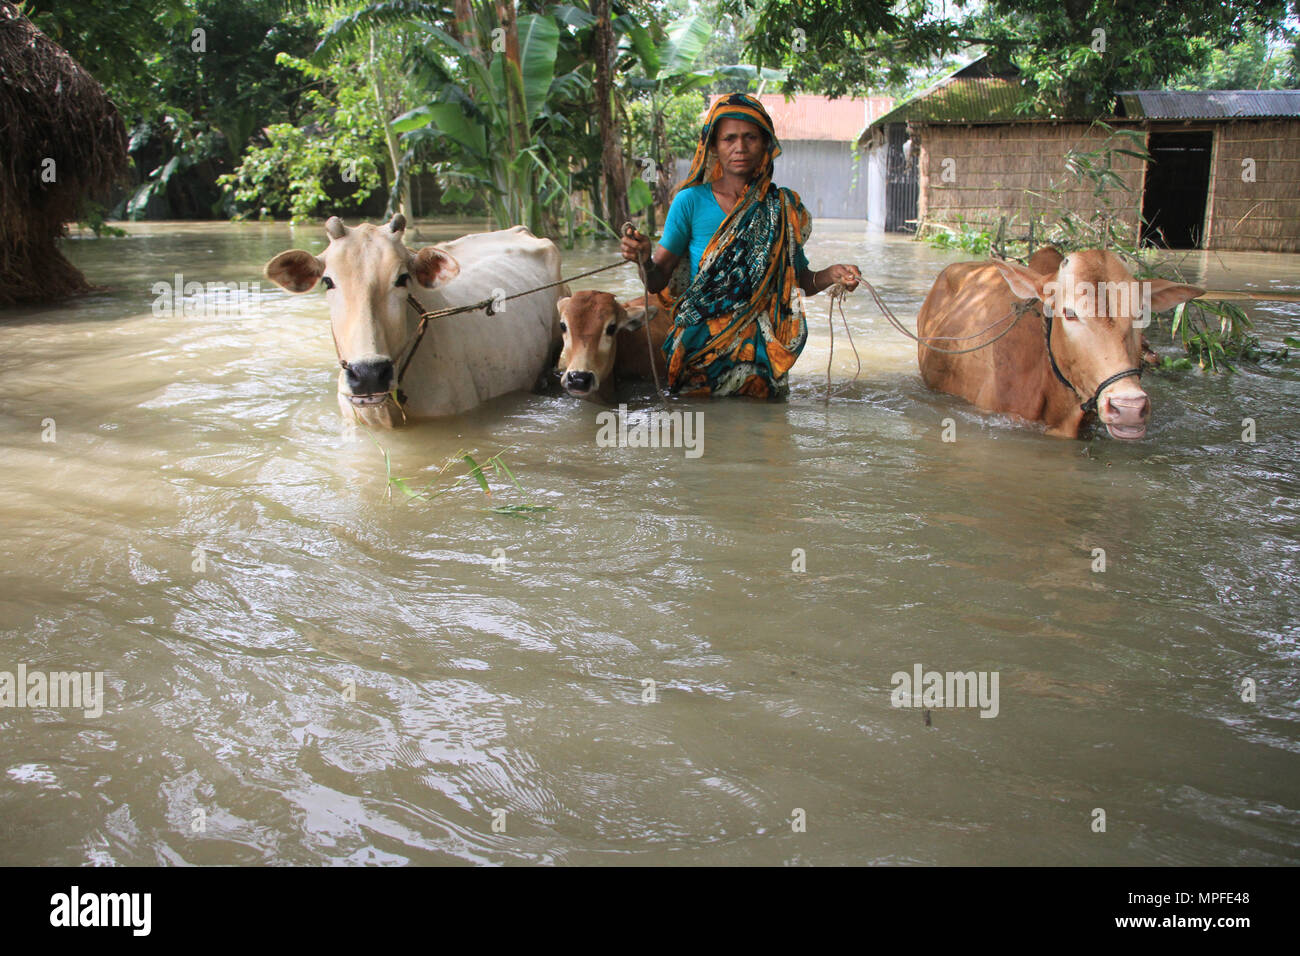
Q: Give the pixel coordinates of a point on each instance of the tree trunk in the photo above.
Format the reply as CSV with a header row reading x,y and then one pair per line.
x,y
522,191
663,186
399,199
611,154
465,27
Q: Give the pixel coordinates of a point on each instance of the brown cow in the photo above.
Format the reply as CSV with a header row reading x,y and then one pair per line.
x,y
1074,352
604,341
1047,260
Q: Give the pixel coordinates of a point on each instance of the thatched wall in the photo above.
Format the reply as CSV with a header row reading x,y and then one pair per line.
x,y
995,169
63,141
1264,214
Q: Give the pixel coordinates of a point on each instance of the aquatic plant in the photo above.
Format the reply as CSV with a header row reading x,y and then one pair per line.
x,y
476,472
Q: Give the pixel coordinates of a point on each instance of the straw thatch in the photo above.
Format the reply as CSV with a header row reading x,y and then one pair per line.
x,y
50,109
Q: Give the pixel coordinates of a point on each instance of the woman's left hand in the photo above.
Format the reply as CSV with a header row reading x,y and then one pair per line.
x,y
846,275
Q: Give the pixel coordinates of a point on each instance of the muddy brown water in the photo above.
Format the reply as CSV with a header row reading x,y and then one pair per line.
x,y
297,669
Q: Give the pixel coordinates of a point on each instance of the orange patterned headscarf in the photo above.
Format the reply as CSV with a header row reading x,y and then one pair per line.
x,y
740,106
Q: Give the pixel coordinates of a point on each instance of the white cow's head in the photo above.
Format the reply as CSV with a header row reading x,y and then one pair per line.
x,y
367,272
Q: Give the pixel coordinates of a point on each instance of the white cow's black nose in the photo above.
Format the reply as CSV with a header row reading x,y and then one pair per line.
x,y
579,381
370,378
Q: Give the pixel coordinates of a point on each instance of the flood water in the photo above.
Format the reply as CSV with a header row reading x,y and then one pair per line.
x,y
298,669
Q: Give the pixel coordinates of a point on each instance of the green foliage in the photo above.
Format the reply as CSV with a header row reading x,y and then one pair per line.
x,y
191,102
681,116
116,41
96,221
1254,63
476,473
851,46
500,116
339,143
968,238
840,47
188,142
722,47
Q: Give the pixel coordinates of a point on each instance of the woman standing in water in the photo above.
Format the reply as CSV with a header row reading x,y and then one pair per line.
x,y
735,330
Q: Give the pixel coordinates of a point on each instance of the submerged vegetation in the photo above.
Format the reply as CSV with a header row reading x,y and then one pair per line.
x,y
444,482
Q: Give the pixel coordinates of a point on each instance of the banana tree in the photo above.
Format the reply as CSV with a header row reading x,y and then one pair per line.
x,y
496,98
667,58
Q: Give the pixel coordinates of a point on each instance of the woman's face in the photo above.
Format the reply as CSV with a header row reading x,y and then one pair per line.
x,y
740,145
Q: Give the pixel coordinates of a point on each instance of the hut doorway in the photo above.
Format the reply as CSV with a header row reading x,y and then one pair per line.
x,y
902,186
1177,184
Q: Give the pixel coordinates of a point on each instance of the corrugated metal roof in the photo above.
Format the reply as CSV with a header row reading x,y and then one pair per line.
x,y
965,99
1209,104
820,117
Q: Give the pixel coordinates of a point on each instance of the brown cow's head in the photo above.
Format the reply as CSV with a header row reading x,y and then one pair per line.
x,y
367,273
590,322
1097,309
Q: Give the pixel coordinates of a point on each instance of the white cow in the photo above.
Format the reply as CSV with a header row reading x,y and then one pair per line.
x,y
463,360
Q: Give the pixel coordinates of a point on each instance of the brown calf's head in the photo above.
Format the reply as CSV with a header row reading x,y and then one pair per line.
x,y
367,273
1097,311
590,322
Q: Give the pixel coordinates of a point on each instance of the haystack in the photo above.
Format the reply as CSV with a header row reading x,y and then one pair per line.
x,y
61,142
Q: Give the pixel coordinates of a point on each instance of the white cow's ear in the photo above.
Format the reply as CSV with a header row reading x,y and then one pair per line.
x,y
295,270
1025,283
632,319
1166,294
433,267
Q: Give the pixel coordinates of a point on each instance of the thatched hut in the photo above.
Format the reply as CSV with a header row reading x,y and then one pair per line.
x,y
971,150
61,141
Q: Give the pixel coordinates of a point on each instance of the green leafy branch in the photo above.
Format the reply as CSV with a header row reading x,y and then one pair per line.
x,y
477,473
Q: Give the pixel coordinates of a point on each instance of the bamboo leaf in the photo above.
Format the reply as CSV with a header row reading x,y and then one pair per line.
x,y
476,472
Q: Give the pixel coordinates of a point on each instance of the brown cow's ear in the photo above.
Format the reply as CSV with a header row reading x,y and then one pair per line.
x,y
562,305
1025,283
433,267
1045,261
629,320
295,270
1166,294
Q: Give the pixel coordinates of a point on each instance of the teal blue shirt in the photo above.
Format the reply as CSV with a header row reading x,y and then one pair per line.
x,y
692,220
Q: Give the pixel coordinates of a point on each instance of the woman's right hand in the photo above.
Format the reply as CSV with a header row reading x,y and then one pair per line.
x,y
635,246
